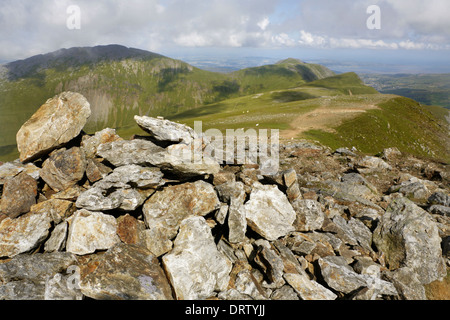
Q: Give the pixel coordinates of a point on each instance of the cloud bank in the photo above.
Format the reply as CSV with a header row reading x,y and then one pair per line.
x,y
30,27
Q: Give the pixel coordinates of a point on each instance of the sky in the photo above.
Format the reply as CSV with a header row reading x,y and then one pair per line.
x,y
408,32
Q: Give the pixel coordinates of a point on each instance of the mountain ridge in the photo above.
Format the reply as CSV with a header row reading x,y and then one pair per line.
x,y
121,82
74,57
127,82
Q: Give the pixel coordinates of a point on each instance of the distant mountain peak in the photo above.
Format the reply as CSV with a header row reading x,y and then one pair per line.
x,y
290,61
75,57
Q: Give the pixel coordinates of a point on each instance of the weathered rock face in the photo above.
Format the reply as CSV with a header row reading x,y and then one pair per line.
x,y
23,234
310,216
370,164
166,209
410,238
90,144
177,158
407,284
125,272
341,277
57,209
12,169
166,131
64,168
40,277
195,267
439,198
269,212
56,122
108,218
91,231
19,194
139,152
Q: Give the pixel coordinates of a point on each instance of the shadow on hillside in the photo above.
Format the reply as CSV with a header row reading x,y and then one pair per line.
x,y
199,112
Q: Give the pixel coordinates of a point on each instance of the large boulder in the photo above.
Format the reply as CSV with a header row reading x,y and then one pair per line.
x,y
99,199
91,231
195,267
125,272
166,209
341,277
166,131
19,194
56,122
123,152
178,158
125,189
269,213
46,276
23,234
184,153
64,168
409,237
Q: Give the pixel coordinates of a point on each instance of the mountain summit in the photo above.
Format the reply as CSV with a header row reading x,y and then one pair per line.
x,y
73,58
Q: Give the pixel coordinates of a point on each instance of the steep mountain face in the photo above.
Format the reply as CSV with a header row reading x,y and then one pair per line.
x,y
121,82
73,58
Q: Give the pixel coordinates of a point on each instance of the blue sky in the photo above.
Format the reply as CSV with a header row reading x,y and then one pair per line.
x,y
412,32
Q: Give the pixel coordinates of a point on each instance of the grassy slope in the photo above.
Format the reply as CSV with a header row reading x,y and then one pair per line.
x,y
154,86
269,96
274,109
398,121
347,83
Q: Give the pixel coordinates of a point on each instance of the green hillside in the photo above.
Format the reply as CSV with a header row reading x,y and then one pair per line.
x,y
301,100
120,82
289,73
399,122
347,83
369,122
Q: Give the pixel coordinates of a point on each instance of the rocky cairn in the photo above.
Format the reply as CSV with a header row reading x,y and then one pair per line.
x,y
100,217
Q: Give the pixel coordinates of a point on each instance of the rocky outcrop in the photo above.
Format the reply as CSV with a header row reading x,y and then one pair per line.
x,y
19,194
269,213
195,266
105,218
23,234
64,168
166,131
125,272
410,238
56,122
91,231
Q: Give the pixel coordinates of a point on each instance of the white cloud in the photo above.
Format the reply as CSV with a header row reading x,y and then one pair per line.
x,y
319,41
30,27
283,40
193,39
309,39
263,24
